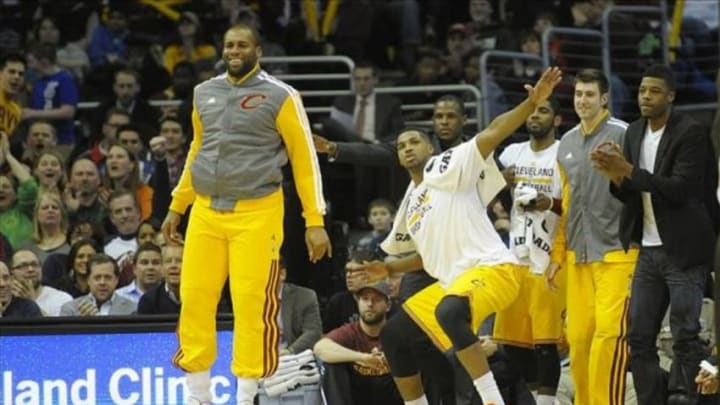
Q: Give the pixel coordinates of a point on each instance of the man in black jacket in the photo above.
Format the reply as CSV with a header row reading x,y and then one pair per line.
x,y
661,178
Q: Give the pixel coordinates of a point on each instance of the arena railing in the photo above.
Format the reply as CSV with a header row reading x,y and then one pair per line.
x,y
511,85
474,105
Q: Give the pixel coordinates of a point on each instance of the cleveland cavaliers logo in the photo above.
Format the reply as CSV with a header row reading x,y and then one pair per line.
x,y
252,101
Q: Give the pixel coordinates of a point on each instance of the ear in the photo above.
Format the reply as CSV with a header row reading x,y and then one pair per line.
x,y
671,96
258,50
557,120
604,98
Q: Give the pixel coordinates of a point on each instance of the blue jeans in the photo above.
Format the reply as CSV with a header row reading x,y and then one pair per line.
x,y
656,284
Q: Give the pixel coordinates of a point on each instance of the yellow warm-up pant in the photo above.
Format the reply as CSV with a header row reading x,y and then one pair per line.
x,y
598,295
243,244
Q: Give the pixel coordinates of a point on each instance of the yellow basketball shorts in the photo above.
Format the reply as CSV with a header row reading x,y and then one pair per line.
x,y
536,316
489,289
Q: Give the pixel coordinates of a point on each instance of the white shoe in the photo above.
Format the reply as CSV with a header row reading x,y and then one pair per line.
x,y
195,401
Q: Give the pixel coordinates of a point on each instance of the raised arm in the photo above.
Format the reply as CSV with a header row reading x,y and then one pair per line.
x,y
506,124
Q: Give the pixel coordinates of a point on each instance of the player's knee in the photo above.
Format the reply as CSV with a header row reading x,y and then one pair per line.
x,y
453,311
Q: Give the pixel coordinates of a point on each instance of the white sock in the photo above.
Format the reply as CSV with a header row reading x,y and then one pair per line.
x,y
420,401
488,389
543,399
246,389
199,385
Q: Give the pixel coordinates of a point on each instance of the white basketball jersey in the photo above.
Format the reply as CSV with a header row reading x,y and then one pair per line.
x,y
446,213
538,170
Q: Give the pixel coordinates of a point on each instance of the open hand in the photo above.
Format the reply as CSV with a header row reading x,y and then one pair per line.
x,y
542,90
373,271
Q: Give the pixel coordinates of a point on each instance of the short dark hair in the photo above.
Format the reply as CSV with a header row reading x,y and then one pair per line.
x,y
127,71
130,128
593,76
102,258
146,247
365,64
243,26
115,111
451,98
382,203
75,249
662,72
555,105
423,133
122,193
170,118
11,57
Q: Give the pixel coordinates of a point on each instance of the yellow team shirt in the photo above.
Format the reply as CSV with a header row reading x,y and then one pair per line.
x,y
10,113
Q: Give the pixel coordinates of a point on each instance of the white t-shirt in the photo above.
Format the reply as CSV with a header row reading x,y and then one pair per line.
x,y
648,152
446,213
50,300
120,249
538,170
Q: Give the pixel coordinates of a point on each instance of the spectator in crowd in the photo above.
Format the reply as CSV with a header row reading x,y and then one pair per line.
x,y
113,119
73,278
86,230
368,116
457,45
164,298
125,216
356,369
341,308
429,70
659,176
49,171
534,320
148,232
184,78
6,249
365,117
54,95
41,136
82,198
175,148
50,227
381,213
103,276
130,136
12,78
190,47
26,283
598,269
300,325
147,263
488,32
126,97
70,55
108,42
122,173
18,193
498,101
12,306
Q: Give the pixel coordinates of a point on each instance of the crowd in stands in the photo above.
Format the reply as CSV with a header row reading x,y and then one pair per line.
x,y
83,190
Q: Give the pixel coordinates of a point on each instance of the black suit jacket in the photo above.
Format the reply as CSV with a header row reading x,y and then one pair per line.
x,y
678,188
302,327
388,118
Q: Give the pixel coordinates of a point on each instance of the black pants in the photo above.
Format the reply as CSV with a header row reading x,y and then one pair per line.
x,y
657,284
